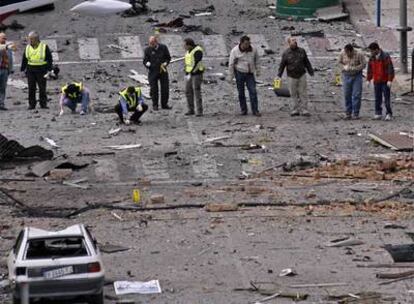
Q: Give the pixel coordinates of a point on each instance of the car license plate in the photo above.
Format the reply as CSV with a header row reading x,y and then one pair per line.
x,y
56,273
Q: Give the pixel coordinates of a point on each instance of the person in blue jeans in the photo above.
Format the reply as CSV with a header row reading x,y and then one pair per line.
x,y
381,72
352,64
6,68
72,94
243,65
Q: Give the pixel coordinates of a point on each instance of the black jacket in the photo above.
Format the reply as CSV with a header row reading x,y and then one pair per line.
x,y
156,56
42,68
296,62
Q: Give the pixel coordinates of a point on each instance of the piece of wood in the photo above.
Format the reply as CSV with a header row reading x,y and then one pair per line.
x,y
397,280
395,275
392,265
318,285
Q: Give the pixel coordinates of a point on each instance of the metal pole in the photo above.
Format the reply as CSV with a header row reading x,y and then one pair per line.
x,y
378,12
403,36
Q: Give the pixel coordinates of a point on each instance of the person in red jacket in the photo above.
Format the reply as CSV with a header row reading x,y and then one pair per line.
x,y
381,71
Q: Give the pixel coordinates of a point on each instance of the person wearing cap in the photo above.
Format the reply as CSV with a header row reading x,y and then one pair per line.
x,y
72,94
130,100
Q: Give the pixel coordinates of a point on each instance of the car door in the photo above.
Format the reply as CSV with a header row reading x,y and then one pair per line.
x,y
11,261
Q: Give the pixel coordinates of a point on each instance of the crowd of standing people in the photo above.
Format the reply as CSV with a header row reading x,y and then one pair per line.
x,y
244,67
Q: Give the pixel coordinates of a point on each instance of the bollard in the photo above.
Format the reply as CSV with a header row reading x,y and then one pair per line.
x,y
24,293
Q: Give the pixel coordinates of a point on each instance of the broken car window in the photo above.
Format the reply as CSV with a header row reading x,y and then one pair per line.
x,y
55,248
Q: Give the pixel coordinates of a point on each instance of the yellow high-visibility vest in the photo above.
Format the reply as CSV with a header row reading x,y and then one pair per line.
x,y
73,95
37,56
132,101
189,61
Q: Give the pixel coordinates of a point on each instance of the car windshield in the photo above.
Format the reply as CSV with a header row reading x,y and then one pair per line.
x,y
55,248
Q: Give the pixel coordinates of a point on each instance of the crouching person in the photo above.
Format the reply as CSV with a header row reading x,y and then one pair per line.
x,y
72,94
130,100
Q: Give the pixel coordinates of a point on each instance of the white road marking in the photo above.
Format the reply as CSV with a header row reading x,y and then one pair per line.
x,y
260,42
155,168
174,43
214,46
89,49
204,166
53,48
106,170
133,46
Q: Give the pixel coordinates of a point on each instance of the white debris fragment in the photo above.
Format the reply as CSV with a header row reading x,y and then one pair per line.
x,y
115,132
51,142
210,140
141,78
203,14
17,83
126,287
124,147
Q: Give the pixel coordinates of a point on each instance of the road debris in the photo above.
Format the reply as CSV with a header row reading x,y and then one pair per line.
x,y
114,131
288,272
344,242
17,83
59,174
110,248
124,147
157,199
398,141
401,253
43,168
127,287
50,142
11,150
221,207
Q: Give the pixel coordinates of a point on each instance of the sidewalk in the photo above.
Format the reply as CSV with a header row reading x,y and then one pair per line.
x,y
363,16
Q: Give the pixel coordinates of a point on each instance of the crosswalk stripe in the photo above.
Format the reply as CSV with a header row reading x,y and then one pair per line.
x,y
106,170
214,46
260,42
155,168
89,49
131,46
53,48
174,43
204,166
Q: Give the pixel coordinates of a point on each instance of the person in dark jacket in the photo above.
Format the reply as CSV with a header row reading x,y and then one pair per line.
x,y
381,71
156,59
36,63
296,62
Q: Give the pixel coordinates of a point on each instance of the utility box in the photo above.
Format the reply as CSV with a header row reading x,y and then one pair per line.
x,y
302,8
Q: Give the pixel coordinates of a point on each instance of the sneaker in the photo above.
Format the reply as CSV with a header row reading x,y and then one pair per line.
x,y
3,108
388,117
347,116
155,108
257,114
377,117
355,117
199,114
167,107
82,112
306,113
294,113
44,107
189,113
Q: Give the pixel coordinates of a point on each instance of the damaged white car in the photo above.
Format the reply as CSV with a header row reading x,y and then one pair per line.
x,y
61,264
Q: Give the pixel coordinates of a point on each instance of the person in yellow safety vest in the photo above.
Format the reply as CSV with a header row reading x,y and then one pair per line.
x,y
130,100
36,63
72,94
194,69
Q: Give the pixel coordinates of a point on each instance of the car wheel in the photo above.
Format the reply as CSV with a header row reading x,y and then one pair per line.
x,y
97,299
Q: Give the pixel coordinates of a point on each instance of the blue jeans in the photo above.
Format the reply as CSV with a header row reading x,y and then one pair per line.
x,y
381,89
84,100
248,80
4,75
352,86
